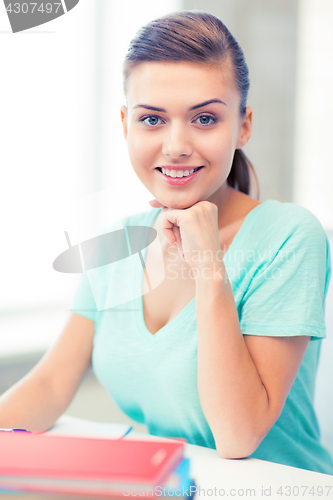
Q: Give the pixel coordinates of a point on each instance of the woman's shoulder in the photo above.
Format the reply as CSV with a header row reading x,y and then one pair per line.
x,y
285,218
274,222
283,229
281,237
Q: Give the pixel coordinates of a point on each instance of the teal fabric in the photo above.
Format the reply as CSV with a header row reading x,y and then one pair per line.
x,y
279,269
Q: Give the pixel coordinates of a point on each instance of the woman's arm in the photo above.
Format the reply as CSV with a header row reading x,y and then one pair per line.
x,y
243,381
37,400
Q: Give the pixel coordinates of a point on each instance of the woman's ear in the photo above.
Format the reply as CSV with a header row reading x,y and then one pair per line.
x,y
245,128
123,114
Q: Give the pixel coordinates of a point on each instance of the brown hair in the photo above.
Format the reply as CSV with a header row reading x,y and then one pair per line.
x,y
195,36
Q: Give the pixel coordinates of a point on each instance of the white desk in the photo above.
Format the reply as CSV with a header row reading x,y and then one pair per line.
x,y
234,477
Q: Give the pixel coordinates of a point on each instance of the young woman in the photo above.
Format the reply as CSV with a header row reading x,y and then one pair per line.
x,y
224,350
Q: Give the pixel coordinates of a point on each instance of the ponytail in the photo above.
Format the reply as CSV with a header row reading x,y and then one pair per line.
x,y
239,176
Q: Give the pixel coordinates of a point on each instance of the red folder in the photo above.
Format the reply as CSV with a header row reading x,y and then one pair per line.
x,y
66,464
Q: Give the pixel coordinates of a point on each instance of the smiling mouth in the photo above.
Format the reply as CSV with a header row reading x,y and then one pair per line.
x,y
176,177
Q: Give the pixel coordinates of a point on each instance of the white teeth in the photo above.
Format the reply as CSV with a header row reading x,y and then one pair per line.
x,y
177,173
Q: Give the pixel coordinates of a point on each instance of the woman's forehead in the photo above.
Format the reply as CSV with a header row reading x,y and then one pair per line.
x,y
151,80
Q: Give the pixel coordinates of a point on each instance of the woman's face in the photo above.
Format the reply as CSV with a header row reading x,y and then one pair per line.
x,y
169,124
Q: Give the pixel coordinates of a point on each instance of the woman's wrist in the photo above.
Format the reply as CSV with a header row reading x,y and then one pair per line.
x,y
211,277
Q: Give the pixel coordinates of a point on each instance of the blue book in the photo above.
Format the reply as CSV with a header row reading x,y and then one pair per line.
x,y
179,484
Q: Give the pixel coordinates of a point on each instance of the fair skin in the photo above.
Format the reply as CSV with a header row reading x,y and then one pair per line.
x,y
241,395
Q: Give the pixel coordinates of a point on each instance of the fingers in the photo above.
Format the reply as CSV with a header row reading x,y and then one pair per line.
x,y
172,232
170,227
173,236
169,233
176,231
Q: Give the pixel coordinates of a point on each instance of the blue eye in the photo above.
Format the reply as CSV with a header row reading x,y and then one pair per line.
x,y
207,116
143,119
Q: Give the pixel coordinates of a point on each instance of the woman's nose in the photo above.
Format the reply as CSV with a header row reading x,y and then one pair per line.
x,y
176,142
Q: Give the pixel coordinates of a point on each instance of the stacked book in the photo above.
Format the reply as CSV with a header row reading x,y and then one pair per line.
x,y
122,468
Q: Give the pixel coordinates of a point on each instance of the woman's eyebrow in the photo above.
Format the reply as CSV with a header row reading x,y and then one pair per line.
x,y
161,110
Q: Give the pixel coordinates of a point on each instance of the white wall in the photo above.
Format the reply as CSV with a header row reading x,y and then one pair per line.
x,y
46,102
313,166
46,157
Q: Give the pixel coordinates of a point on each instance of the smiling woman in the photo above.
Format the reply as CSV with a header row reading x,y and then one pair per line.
x,y
224,350
220,351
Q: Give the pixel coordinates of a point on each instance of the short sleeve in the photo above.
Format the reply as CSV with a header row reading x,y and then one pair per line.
x,y
286,295
84,303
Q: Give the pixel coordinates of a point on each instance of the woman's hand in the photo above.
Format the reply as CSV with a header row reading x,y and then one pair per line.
x,y
195,231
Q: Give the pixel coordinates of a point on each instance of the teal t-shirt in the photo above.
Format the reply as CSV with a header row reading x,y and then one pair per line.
x,y
279,269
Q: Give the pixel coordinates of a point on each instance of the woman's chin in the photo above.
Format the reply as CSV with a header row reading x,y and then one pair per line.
x,y
180,205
